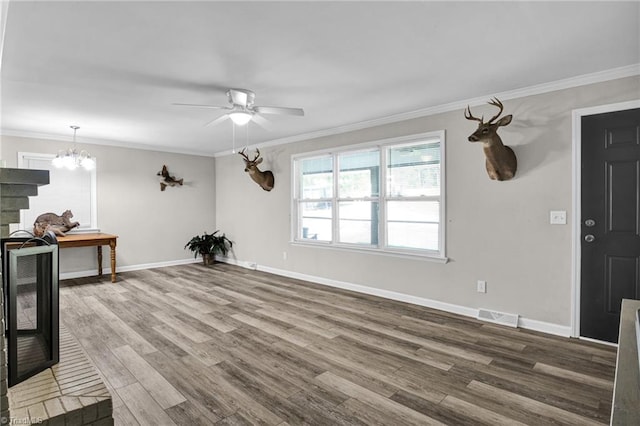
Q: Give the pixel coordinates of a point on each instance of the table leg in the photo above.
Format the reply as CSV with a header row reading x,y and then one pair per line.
x,y
100,260
112,246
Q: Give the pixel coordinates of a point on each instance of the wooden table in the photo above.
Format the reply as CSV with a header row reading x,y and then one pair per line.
x,y
93,240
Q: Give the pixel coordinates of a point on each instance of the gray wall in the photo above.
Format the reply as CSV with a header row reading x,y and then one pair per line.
x,y
152,226
496,231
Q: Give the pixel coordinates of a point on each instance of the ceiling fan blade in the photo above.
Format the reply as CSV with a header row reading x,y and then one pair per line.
x,y
217,120
262,122
201,106
278,110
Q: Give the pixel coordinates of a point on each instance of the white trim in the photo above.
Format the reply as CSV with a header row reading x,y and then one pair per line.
x,y
426,137
614,345
103,142
107,271
405,254
530,324
442,244
544,327
242,263
567,83
576,182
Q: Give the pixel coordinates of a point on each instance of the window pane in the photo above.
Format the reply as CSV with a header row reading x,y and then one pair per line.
x,y
413,211
317,178
359,175
67,190
316,221
413,235
414,171
358,222
408,224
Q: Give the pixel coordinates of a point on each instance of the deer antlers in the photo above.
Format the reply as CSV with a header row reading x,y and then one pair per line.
x,y
247,158
495,102
469,116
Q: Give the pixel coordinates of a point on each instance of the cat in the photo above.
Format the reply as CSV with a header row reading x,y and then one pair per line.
x,y
54,223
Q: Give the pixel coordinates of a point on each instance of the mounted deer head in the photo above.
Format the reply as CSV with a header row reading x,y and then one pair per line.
x,y
501,161
264,179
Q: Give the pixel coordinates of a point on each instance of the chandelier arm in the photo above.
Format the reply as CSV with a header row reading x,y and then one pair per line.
x,y
72,159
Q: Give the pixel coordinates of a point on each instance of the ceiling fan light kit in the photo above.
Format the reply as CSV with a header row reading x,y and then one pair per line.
x,y
240,118
242,108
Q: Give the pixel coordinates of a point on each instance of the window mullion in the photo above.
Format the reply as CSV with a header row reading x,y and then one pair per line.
x,y
382,203
295,205
299,199
336,211
416,198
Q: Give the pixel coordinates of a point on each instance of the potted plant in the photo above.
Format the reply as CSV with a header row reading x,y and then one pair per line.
x,y
208,245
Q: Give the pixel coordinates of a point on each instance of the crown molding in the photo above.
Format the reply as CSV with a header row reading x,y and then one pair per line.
x,y
567,83
102,142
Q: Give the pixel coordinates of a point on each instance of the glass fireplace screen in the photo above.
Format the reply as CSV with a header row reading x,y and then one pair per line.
x,y
31,291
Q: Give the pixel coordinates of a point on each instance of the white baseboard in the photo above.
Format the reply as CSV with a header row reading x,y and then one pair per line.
x,y
529,324
107,271
236,262
401,297
545,327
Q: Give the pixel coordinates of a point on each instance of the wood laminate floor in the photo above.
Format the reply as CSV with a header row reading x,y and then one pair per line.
x,y
195,345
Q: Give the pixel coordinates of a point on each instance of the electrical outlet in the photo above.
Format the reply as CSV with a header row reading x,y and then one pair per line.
x,y
284,255
482,286
558,217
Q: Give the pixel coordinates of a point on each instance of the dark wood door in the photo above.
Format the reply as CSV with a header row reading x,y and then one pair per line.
x,y
610,223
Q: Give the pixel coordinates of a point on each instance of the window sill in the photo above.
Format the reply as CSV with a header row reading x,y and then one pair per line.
x,y
84,231
388,253
73,231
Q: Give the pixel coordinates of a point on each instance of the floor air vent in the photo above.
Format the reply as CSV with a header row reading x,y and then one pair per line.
x,y
498,317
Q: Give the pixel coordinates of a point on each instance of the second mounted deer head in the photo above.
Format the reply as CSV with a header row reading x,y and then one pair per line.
x,y
501,162
264,179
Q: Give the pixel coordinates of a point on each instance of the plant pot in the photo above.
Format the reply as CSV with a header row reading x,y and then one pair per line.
x,y
208,259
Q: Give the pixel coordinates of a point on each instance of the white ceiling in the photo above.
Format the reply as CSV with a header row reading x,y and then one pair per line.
x,y
114,68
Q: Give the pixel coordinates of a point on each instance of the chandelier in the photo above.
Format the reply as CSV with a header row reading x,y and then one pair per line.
x,y
72,159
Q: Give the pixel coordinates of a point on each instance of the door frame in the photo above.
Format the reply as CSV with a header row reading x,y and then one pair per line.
x,y
576,182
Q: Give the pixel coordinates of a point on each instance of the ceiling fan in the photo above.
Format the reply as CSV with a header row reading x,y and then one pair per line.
x,y
242,108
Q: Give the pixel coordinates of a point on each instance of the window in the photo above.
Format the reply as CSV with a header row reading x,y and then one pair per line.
x,y
386,196
73,190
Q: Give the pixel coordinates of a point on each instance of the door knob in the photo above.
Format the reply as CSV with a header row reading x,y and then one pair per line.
x,y
589,238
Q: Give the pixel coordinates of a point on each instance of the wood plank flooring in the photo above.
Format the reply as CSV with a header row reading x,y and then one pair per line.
x,y
195,345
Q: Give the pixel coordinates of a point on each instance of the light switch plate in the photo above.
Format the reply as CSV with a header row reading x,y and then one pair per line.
x,y
558,217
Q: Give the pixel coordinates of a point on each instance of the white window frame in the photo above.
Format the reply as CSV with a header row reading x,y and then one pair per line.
x,y
92,199
381,146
